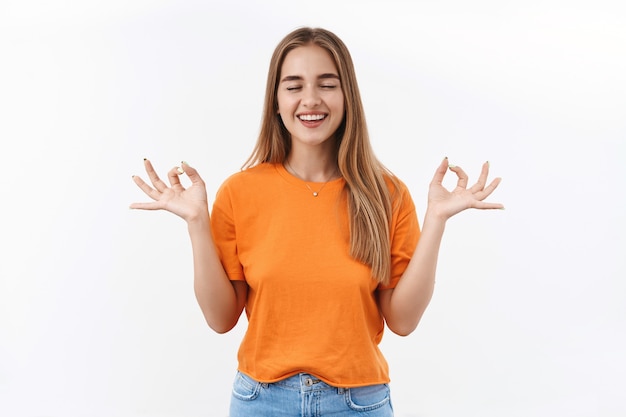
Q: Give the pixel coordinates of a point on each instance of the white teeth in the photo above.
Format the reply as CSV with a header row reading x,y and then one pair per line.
x,y
311,117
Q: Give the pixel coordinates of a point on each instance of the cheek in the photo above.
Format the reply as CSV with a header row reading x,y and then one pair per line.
x,y
283,105
279,103
339,103
340,107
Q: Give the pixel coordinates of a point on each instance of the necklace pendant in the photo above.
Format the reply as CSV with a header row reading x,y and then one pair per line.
x,y
314,193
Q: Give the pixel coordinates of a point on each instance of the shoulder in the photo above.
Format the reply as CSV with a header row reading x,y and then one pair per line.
x,y
248,186
397,188
401,199
250,177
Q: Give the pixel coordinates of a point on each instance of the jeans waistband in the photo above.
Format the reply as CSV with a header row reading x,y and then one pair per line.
x,y
305,382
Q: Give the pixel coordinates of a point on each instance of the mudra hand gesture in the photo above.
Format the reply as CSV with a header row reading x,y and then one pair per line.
x,y
187,203
445,204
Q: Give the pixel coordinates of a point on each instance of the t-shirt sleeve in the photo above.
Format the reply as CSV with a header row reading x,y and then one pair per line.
x,y
225,233
405,232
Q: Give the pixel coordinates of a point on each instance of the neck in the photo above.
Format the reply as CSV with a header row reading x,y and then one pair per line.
x,y
312,170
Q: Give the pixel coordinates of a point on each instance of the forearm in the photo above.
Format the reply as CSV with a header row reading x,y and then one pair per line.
x,y
414,291
214,291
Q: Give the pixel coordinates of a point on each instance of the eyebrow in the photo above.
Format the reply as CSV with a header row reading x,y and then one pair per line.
x,y
299,77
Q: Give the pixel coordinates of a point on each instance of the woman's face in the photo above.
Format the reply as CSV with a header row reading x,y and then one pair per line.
x,y
310,98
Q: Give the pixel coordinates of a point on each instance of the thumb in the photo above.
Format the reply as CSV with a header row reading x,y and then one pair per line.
x,y
191,173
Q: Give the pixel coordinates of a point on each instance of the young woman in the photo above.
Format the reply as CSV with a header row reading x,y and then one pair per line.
x,y
316,240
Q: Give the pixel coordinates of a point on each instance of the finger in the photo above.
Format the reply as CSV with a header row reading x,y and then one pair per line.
x,y
482,205
192,174
150,192
145,206
154,178
462,182
482,179
174,176
481,195
440,172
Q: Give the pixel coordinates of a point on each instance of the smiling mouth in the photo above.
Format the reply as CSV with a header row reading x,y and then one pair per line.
x,y
311,117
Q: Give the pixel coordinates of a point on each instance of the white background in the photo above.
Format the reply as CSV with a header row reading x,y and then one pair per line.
x,y
97,313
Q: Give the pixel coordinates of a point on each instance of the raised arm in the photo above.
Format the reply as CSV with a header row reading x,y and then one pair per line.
x,y
220,300
404,305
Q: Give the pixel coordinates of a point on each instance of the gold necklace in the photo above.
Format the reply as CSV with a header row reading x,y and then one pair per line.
x,y
315,193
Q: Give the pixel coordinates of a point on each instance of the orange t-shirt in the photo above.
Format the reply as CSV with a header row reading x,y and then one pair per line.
x,y
311,307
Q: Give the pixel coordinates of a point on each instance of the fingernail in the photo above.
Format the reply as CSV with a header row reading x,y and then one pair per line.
x,y
184,163
145,159
180,170
451,166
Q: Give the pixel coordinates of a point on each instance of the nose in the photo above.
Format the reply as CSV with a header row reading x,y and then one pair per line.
x,y
310,96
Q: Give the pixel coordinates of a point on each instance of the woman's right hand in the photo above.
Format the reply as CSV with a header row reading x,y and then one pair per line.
x,y
188,203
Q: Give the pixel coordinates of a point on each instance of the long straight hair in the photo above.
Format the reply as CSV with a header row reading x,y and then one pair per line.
x,y
370,201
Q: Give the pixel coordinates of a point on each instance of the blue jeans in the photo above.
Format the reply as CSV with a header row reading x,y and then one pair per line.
x,y
304,395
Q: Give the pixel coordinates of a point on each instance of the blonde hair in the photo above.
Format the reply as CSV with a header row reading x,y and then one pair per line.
x,y
370,201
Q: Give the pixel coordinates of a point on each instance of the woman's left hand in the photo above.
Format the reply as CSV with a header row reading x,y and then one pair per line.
x,y
445,204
